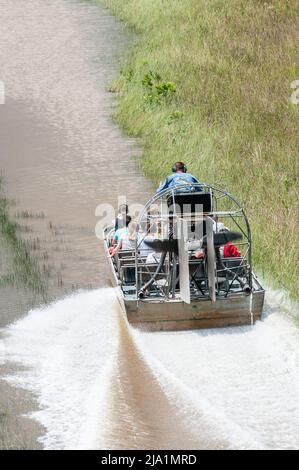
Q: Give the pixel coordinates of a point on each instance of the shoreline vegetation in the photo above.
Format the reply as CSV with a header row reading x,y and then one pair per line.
x,y
209,83
21,269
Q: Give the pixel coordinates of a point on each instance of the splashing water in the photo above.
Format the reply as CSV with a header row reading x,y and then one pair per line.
x,y
67,348
102,384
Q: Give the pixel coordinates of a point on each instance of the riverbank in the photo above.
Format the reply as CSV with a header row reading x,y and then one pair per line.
x,y
209,83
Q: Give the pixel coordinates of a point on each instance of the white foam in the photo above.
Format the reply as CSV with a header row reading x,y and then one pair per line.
x,y
239,386
249,376
67,347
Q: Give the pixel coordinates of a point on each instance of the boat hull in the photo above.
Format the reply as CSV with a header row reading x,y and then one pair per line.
x,y
171,315
177,315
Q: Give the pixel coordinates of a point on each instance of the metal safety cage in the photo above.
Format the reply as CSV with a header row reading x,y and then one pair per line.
x,y
194,203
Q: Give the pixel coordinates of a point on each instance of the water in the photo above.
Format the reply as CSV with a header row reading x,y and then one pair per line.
x,y
61,154
99,383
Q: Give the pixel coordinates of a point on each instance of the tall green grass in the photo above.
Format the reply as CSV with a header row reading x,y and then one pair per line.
x,y
208,82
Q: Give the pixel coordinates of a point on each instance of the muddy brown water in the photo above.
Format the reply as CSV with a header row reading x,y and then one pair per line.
x,y
61,154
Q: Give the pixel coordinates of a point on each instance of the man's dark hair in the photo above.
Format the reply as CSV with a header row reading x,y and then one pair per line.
x,y
128,219
123,208
180,166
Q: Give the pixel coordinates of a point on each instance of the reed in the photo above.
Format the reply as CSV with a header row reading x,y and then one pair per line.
x,y
26,271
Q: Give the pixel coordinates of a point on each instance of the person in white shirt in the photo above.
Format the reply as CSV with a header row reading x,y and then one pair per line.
x,y
126,238
120,231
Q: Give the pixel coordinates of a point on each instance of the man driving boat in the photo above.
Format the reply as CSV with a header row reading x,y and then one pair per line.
x,y
179,176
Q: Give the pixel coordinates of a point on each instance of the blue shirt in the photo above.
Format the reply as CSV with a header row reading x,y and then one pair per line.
x,y
176,179
119,233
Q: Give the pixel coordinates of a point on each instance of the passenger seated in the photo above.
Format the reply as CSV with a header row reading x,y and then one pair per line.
x,y
229,250
127,238
218,226
120,221
120,231
153,257
198,254
127,241
145,235
145,250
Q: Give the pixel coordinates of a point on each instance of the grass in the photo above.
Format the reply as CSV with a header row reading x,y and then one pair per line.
x,y
26,271
208,82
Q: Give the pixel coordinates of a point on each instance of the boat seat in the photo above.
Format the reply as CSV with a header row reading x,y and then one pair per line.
x,y
127,273
197,274
126,261
191,206
237,265
146,270
197,268
191,202
126,267
122,256
239,269
125,254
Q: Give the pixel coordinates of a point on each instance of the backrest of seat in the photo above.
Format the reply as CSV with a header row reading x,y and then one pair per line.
x,y
232,263
125,254
191,202
236,265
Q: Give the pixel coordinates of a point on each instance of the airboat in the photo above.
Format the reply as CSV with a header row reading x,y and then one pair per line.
x,y
180,274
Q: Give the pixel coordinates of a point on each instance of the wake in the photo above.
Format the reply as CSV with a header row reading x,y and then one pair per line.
x,y
101,384
66,348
